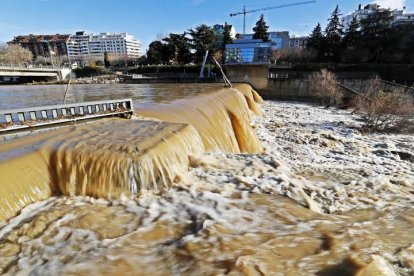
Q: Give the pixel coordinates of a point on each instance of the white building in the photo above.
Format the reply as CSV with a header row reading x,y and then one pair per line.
x,y
399,16
83,46
78,46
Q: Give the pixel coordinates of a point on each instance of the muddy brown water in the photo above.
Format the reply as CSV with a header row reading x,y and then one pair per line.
x,y
87,217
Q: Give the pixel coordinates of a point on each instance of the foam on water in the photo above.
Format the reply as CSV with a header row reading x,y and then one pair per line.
x,y
320,200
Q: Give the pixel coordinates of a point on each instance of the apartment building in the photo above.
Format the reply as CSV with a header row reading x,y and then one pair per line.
x,y
43,45
398,16
83,46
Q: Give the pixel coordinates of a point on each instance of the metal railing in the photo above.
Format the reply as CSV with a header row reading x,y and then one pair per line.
x,y
27,66
23,118
162,75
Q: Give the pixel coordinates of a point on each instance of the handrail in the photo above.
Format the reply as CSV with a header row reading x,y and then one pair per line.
x,y
353,91
23,118
397,84
28,66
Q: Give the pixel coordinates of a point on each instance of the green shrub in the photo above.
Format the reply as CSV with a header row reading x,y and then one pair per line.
x,y
90,71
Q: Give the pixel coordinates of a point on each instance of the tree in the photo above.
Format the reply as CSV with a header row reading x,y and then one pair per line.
x,y
180,48
352,33
260,30
316,41
41,60
13,53
223,39
351,50
142,60
333,34
227,38
203,39
376,33
106,59
324,86
159,53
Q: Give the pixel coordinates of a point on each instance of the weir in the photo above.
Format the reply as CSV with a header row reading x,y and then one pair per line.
x,y
115,156
222,118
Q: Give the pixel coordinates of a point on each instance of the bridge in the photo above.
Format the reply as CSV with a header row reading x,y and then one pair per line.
x,y
24,70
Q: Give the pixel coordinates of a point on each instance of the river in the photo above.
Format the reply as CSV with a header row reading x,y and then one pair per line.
x,y
298,190
19,96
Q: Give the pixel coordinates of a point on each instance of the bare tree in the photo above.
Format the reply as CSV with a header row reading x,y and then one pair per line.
x,y
61,60
385,111
278,55
292,55
15,54
324,85
219,56
41,60
118,59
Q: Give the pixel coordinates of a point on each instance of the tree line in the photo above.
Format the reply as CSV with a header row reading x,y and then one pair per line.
x,y
373,39
188,47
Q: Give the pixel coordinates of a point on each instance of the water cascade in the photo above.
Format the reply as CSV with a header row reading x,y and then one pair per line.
x,y
222,118
113,157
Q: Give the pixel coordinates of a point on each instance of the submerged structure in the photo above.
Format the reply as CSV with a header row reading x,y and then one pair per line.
x,y
112,157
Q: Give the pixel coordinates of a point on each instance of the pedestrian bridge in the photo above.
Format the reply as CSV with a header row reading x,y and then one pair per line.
x,y
29,70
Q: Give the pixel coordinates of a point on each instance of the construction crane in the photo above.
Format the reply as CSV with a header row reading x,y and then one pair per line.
x,y
244,12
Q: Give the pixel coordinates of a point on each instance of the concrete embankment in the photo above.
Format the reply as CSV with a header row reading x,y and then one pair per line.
x,y
290,84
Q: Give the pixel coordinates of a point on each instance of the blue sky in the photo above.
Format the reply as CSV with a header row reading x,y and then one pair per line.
x,y
148,19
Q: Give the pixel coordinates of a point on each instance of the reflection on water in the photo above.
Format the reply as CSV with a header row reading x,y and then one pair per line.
x,y
19,96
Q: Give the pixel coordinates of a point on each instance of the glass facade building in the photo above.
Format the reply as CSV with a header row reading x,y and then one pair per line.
x,y
248,51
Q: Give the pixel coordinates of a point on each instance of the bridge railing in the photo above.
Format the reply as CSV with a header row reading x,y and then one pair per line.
x,y
27,66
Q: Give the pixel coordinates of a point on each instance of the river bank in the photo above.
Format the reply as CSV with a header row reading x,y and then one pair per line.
x,y
322,199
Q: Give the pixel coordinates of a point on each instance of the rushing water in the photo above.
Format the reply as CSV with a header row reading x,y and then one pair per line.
x,y
200,195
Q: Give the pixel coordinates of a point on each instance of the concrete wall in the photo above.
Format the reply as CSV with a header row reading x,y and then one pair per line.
x,y
256,75
65,74
289,89
294,86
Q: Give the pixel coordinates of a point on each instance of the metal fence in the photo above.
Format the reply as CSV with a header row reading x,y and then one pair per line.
x,y
23,118
27,66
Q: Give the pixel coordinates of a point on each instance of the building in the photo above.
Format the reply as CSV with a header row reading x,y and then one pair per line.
x,y
279,40
219,32
83,46
78,46
43,45
398,16
248,51
298,42
401,17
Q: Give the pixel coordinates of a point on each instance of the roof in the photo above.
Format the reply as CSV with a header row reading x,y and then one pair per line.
x,y
40,38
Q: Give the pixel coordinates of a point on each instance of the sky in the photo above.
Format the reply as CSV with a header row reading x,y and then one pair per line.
x,y
148,20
